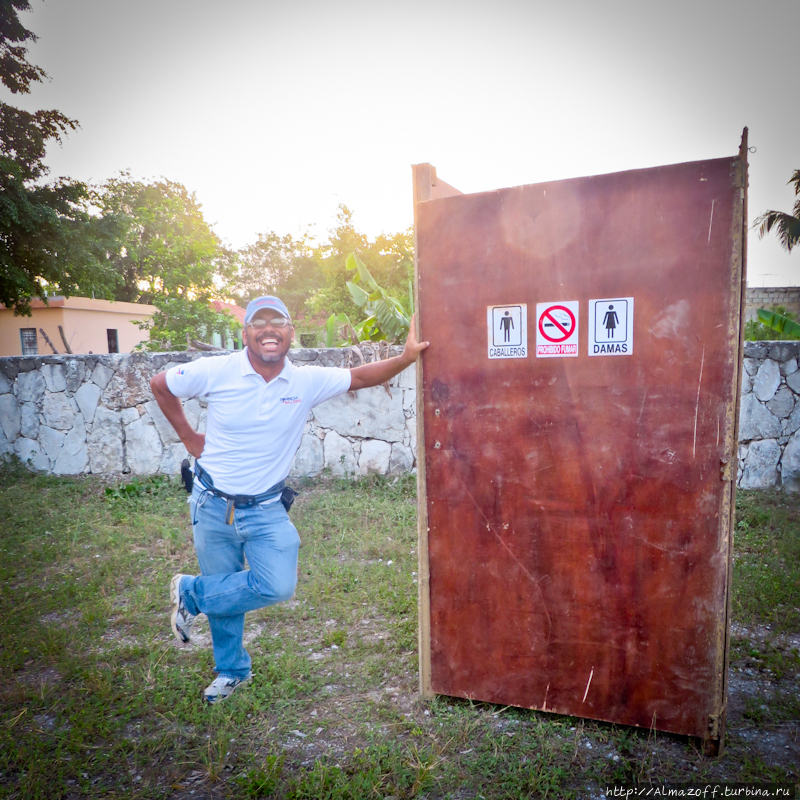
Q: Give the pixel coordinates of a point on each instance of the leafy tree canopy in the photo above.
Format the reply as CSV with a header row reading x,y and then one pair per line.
x,y
178,320
165,247
16,71
390,259
48,237
167,255
312,279
277,265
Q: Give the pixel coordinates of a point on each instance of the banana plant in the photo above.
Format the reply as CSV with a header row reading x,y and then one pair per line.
x,y
780,323
387,318
340,332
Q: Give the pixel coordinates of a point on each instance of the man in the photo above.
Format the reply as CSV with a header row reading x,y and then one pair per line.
x,y
258,403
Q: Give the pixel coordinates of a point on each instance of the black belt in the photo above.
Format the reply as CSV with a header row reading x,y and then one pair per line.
x,y
238,500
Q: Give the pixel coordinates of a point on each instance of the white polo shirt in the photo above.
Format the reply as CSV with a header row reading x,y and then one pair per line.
x,y
254,428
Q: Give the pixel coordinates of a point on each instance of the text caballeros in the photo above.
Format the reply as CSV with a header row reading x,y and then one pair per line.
x,y
507,352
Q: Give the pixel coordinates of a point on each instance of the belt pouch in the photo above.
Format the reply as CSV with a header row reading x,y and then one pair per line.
x,y
287,497
187,476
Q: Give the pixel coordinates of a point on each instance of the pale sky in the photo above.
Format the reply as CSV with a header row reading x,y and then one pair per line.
x,y
273,113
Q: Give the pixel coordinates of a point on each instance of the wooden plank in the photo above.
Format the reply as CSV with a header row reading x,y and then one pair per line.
x,y
577,523
715,742
64,339
47,339
440,189
426,186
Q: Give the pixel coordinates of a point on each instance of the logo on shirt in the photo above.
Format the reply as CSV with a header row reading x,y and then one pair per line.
x,y
290,401
180,371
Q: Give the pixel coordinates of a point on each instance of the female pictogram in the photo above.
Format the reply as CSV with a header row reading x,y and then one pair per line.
x,y
611,320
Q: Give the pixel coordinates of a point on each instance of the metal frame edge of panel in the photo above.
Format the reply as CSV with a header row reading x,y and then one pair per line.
x,y
576,508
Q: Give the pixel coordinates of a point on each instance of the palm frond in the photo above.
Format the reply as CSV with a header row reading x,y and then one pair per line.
x,y
786,225
795,179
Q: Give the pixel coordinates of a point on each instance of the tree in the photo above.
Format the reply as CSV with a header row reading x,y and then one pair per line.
x,y
178,320
386,321
332,296
386,317
390,259
786,225
167,255
48,238
277,265
165,247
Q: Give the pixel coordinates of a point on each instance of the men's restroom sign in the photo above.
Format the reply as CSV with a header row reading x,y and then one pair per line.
x,y
508,331
611,327
557,329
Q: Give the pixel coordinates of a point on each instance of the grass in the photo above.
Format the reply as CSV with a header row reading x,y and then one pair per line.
x,y
98,700
767,571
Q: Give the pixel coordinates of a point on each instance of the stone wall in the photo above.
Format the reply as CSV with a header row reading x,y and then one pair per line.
x,y
769,419
74,414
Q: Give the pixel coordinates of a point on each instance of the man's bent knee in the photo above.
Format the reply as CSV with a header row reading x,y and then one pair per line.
x,y
276,590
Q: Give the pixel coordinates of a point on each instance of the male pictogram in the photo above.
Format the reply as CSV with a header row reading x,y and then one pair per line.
x,y
508,331
610,320
506,324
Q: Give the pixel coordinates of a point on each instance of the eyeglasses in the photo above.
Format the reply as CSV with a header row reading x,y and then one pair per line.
x,y
278,322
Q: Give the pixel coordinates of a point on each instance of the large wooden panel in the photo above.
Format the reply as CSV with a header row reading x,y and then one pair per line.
x,y
578,508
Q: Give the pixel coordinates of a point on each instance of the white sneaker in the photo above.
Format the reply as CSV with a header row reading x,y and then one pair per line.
x,y
223,687
181,618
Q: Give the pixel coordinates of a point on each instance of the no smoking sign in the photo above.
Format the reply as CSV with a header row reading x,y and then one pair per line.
x,y
557,329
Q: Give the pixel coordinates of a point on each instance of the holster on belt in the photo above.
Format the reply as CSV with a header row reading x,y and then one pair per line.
x,y
187,476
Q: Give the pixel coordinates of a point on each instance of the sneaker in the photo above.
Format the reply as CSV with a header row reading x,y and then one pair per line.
x,y
223,687
181,618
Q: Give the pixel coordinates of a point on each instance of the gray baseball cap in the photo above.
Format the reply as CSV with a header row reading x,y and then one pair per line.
x,y
268,301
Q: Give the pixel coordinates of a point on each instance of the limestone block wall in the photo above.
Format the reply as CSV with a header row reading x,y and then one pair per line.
x,y
372,430
75,414
769,417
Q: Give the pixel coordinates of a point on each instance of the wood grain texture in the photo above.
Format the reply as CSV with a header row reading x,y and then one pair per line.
x,y
577,519
425,186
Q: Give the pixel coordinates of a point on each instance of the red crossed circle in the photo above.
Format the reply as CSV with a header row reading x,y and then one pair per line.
x,y
566,332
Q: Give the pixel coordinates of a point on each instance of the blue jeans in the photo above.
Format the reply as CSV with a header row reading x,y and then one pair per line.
x,y
226,590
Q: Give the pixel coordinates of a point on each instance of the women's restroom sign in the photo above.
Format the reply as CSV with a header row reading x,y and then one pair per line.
x,y
611,327
508,331
557,329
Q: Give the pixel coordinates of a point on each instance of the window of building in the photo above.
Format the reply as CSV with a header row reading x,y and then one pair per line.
x,y
113,341
30,345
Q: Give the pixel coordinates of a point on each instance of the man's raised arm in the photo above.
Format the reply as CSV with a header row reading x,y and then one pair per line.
x,y
172,409
381,371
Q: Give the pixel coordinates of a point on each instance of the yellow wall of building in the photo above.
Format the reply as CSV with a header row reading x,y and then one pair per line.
x,y
85,322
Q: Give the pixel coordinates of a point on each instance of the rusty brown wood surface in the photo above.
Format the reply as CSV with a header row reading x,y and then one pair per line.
x,y
426,186
578,508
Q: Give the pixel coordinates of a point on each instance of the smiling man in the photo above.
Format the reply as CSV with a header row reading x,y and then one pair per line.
x,y
258,403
